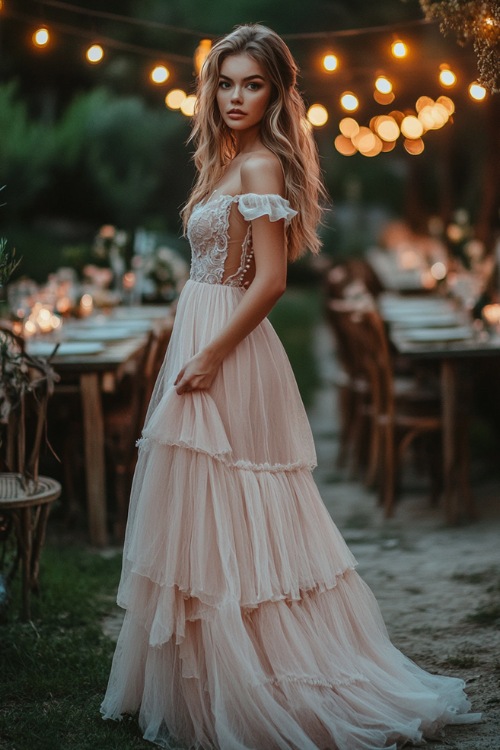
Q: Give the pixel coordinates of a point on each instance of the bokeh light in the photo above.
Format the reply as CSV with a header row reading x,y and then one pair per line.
x,y
317,115
174,98
446,76
349,101
344,145
383,85
387,128
477,92
95,54
160,74
330,62
399,49
349,127
188,105
41,37
412,127
414,146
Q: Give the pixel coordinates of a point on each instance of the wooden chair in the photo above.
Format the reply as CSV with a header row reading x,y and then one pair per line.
x,y
400,409
25,496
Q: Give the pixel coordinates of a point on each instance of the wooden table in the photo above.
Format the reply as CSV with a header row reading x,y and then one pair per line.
x,y
94,374
456,349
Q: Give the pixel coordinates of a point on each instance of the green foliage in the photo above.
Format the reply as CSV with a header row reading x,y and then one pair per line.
x,y
55,669
26,150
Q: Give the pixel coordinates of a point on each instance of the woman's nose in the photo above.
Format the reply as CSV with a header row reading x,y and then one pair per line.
x,y
236,94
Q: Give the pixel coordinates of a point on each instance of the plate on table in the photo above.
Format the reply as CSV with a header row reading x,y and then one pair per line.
x,y
429,335
439,320
66,348
101,334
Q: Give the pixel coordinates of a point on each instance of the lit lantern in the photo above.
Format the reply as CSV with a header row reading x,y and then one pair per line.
x,y
174,98
477,92
349,101
317,115
330,62
399,49
160,74
41,37
94,54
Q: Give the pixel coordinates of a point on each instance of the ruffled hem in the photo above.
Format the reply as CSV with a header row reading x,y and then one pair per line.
x,y
316,673
253,205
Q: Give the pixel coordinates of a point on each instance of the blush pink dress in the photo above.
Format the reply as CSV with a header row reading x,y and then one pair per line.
x,y
246,625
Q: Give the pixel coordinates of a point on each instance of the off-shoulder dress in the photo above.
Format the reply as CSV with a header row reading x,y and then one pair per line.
x,y
246,624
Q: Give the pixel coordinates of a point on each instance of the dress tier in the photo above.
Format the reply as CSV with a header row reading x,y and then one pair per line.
x,y
246,625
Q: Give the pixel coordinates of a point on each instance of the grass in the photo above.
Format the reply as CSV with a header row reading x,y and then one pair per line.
x,y
54,669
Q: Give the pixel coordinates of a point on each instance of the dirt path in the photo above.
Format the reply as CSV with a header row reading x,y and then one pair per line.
x,y
438,587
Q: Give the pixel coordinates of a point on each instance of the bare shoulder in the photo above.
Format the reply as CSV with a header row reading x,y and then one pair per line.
x,y
261,172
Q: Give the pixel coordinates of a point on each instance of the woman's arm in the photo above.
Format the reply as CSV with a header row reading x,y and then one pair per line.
x,y
258,175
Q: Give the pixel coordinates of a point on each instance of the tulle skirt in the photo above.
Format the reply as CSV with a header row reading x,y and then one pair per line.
x,y
246,624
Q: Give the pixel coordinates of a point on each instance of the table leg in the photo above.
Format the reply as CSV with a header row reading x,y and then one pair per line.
x,y
93,435
450,454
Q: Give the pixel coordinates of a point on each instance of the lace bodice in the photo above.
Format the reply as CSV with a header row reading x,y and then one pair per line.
x,y
208,233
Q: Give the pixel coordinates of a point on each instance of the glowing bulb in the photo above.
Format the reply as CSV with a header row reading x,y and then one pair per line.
x,y
317,115
399,49
447,77
174,98
348,127
388,129
41,37
349,101
160,74
477,92
344,145
412,127
330,62
95,53
188,105
383,85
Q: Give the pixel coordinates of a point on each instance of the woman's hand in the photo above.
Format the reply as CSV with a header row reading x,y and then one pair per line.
x,y
198,373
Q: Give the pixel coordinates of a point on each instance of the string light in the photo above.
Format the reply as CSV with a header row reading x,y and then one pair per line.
x,y
175,98
41,37
317,115
95,54
348,127
349,101
330,62
399,49
477,92
383,85
188,105
160,74
446,76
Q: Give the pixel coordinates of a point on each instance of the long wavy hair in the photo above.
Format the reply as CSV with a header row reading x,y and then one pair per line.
x,y
284,131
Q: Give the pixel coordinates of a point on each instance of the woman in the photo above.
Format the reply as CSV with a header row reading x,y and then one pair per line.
x,y
246,624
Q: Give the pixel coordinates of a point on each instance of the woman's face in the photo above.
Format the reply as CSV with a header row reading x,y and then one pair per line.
x,y
244,92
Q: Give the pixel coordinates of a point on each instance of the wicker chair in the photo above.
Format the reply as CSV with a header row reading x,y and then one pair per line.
x,y
25,496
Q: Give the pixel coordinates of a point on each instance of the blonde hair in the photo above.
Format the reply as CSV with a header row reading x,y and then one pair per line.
x,y
284,131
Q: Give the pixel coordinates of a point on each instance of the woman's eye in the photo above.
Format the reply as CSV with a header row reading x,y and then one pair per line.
x,y
223,84
254,86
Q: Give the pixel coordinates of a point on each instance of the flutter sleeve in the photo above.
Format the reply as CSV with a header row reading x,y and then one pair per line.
x,y
254,205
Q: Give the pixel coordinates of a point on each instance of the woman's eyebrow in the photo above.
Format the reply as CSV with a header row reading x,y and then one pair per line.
x,y
248,78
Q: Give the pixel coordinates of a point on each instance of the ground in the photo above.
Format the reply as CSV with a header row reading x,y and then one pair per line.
x,y
438,587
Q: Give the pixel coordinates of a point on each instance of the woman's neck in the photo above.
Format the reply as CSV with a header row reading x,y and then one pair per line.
x,y
248,141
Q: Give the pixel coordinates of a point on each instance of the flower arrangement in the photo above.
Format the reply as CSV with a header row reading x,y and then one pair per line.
x,y
167,271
